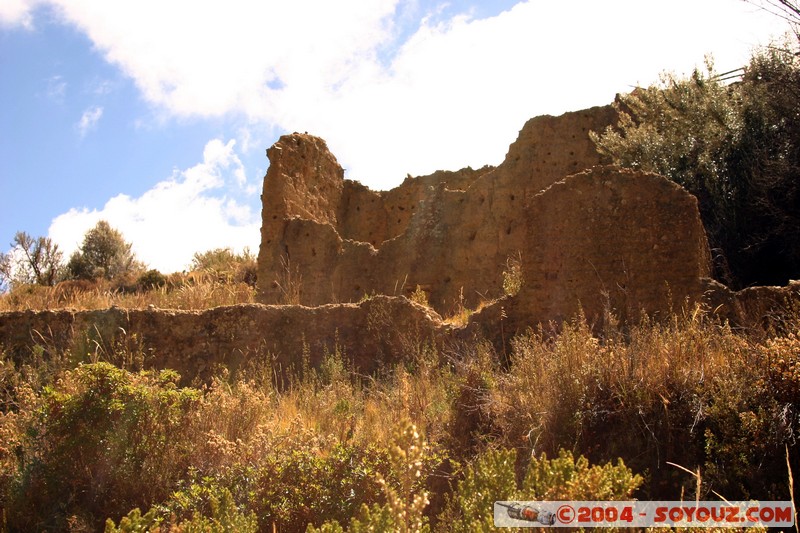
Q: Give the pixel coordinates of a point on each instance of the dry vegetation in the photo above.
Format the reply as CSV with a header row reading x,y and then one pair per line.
x,y
428,444
180,291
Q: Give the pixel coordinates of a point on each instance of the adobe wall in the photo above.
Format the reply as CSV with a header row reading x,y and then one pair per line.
x,y
369,335
612,238
451,233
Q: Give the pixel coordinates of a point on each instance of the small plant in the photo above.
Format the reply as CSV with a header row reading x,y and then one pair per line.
x,y
419,296
290,282
406,503
223,517
150,280
512,275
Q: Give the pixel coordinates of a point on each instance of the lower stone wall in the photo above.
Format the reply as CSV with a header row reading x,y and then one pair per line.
x,y
369,335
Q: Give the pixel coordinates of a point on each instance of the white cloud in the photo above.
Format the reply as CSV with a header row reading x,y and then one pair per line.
x,y
177,217
453,94
56,88
89,120
17,13
393,85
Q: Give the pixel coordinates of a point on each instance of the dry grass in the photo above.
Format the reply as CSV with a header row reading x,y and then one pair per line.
x,y
690,391
196,292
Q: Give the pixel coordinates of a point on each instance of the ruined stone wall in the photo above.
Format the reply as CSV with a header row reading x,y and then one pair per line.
x,y
608,237
450,233
368,335
589,237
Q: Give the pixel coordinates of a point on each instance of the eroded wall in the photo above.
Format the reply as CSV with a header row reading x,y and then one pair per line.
x,y
450,233
369,335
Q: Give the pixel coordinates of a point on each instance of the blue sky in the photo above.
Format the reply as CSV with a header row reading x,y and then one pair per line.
x,y
156,115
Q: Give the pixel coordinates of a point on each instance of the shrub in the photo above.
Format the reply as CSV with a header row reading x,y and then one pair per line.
x,y
103,254
104,441
735,147
226,266
491,478
406,500
151,279
223,517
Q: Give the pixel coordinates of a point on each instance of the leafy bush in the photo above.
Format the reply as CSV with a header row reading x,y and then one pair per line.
x,y
223,517
98,440
406,501
491,478
735,147
227,266
151,279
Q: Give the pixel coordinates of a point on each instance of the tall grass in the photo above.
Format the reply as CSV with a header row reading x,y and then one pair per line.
x,y
79,445
198,291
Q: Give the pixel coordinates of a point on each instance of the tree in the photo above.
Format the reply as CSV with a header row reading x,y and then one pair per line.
x,y
103,254
31,260
736,146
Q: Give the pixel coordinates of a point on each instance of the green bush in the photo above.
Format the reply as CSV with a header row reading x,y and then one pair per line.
x,y
223,517
491,478
406,500
104,441
226,266
735,147
151,279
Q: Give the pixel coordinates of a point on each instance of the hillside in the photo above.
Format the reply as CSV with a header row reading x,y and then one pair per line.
x,y
420,352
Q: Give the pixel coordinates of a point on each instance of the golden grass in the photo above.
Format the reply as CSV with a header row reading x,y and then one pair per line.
x,y
689,391
202,294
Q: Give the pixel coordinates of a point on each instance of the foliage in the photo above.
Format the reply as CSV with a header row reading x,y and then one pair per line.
x,y
150,280
98,439
491,478
419,296
178,291
512,275
227,266
405,505
224,517
31,261
335,450
735,146
103,254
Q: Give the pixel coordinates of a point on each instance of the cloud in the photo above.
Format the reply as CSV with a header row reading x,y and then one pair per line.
x,y
396,86
17,13
400,86
189,212
89,120
56,89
